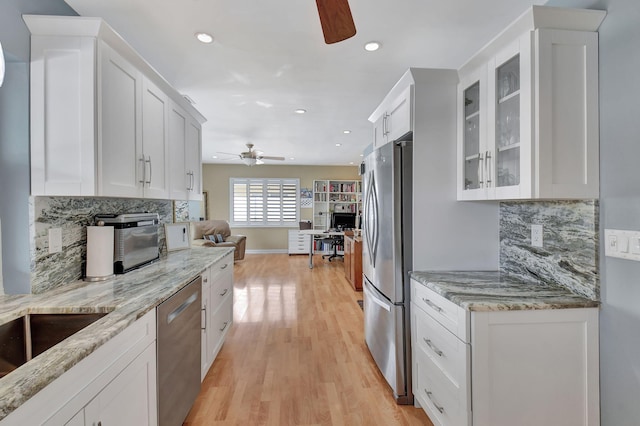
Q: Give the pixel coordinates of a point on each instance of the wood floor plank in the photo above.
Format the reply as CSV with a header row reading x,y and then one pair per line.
x,y
295,354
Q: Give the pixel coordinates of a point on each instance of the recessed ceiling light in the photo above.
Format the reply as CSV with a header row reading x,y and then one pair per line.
x,y
361,155
351,162
346,132
372,46
338,144
215,156
292,158
204,37
300,111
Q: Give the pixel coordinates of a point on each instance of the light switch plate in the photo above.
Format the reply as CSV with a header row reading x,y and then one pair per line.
x,y
55,240
536,235
622,244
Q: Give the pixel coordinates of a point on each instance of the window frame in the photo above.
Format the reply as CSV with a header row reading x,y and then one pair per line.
x,y
265,183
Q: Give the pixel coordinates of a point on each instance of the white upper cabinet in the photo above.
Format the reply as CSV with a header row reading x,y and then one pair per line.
x,y
102,122
120,158
185,159
528,110
393,119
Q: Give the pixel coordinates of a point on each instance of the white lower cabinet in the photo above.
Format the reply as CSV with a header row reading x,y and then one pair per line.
x,y
126,400
217,309
504,368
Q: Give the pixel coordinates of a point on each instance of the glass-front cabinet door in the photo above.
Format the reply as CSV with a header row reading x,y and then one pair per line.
x,y
471,137
510,156
507,125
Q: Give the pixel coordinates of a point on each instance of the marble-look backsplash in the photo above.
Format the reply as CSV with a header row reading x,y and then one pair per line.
x,y
73,215
569,255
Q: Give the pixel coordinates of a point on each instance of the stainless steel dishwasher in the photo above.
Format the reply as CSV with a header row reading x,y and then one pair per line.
x,y
178,321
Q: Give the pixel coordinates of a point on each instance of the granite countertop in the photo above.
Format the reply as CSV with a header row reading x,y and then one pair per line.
x,y
126,297
490,291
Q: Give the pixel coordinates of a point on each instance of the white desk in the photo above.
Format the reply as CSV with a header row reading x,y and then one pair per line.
x,y
313,232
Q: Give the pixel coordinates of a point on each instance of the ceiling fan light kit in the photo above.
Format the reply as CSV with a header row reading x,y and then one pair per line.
x,y
336,20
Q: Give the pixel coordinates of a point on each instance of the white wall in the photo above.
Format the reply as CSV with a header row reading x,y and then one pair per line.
x,y
14,138
619,206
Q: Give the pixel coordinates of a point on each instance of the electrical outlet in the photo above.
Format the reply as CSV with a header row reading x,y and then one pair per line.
x,y
536,235
55,240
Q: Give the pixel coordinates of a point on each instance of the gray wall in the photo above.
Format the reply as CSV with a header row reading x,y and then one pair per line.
x,y
14,138
619,206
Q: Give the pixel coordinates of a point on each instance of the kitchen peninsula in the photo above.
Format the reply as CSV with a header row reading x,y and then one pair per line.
x,y
128,299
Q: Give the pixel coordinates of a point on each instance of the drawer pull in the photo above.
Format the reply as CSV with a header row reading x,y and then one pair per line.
x,y
433,305
433,347
224,326
438,407
224,266
226,290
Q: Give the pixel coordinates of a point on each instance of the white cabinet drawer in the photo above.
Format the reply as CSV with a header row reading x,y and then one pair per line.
x,y
449,353
445,404
221,322
224,266
451,316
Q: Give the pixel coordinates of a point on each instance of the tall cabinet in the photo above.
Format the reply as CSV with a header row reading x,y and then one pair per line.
x,y
103,121
335,196
528,110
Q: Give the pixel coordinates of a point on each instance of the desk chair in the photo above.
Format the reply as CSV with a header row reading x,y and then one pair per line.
x,y
334,242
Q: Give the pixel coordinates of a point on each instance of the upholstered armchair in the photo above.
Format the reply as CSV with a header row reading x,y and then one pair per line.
x,y
200,232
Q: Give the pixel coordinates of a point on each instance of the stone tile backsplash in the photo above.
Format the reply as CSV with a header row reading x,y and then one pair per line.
x,y
73,215
569,256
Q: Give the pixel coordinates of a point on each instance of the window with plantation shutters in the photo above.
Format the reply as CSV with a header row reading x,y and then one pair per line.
x,y
264,202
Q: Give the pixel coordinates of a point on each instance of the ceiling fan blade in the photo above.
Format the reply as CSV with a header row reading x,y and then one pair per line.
x,y
227,153
268,157
336,20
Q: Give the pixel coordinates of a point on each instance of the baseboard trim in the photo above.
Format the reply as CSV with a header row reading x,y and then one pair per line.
x,y
272,251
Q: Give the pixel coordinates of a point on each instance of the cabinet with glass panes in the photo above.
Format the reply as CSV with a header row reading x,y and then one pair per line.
x,y
528,110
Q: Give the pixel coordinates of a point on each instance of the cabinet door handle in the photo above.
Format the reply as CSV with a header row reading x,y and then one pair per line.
x,y
150,171
480,170
224,326
226,290
487,161
144,170
192,180
433,347
433,305
438,407
204,311
189,184
224,266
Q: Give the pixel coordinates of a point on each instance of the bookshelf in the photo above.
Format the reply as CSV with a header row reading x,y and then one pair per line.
x,y
334,196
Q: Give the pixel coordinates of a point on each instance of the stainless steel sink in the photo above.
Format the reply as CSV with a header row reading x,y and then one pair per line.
x,y
30,335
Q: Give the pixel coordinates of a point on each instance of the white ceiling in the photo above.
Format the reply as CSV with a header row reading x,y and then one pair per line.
x,y
269,58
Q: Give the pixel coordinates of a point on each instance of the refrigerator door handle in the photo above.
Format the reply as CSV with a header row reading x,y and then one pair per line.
x,y
375,299
371,226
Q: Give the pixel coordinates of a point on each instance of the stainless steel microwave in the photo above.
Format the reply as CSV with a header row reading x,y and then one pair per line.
x,y
135,239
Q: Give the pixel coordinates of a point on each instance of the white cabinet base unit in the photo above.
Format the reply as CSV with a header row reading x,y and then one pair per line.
x,y
116,384
528,110
298,243
505,367
101,117
217,309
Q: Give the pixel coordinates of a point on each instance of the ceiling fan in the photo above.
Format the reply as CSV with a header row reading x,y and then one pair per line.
x,y
253,157
336,20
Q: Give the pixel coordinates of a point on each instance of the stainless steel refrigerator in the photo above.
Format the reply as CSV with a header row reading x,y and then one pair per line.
x,y
387,260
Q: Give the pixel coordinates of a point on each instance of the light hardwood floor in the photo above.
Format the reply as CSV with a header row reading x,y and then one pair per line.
x,y
296,353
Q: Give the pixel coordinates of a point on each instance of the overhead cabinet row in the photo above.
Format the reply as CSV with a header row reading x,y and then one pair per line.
x,y
528,110
103,122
